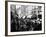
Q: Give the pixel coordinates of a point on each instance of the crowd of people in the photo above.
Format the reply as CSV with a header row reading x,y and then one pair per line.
x,y
26,24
